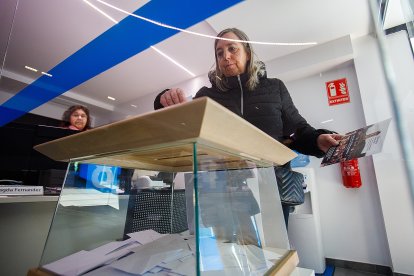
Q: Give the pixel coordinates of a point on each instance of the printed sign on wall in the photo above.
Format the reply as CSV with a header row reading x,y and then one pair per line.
x,y
337,91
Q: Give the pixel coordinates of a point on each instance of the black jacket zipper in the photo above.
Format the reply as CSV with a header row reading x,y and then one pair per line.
x,y
241,96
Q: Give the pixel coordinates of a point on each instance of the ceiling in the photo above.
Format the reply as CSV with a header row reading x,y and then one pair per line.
x,y
43,33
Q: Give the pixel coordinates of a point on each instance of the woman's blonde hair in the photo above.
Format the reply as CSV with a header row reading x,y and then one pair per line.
x,y
254,70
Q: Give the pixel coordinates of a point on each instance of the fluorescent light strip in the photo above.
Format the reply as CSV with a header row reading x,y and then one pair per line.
x,y
111,98
30,68
133,105
204,35
46,74
327,121
173,61
101,11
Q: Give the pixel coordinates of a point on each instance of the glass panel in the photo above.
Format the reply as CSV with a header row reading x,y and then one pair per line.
x,y
241,230
194,224
393,97
9,8
91,210
395,34
228,219
109,212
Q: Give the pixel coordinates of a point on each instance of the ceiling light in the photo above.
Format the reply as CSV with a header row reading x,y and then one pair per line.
x,y
111,98
46,74
173,61
133,105
30,68
327,121
101,11
204,35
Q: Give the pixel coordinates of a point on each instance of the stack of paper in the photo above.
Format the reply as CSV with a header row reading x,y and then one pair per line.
x,y
148,253
84,261
170,254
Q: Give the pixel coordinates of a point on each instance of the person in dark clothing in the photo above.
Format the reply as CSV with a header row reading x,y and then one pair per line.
x,y
240,83
76,117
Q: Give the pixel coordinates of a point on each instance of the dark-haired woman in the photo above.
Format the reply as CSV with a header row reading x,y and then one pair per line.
x,y
76,117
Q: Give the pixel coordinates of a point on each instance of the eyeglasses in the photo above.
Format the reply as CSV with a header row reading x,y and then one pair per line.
x,y
76,115
232,49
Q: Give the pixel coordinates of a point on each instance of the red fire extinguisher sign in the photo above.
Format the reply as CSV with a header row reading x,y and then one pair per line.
x,y
337,92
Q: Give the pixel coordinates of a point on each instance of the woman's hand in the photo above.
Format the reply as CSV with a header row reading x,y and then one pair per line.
x,y
172,97
325,141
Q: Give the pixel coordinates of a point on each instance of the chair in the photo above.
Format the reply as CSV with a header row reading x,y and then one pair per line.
x,y
162,210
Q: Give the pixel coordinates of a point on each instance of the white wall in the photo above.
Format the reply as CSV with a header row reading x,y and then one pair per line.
x,y
351,219
396,200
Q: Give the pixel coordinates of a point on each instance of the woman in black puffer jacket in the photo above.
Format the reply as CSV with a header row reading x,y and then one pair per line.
x,y
240,83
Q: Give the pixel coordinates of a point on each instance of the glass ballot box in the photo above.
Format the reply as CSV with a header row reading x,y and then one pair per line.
x,y
187,190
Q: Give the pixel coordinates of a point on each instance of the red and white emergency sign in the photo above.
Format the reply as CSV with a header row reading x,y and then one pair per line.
x,y
337,91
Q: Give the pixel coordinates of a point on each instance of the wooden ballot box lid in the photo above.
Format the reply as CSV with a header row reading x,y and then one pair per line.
x,y
163,140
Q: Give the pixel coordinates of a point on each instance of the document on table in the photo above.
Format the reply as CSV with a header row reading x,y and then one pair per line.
x,y
157,253
145,236
83,261
170,254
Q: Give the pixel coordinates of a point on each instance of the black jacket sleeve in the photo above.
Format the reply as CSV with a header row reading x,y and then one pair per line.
x,y
304,137
157,103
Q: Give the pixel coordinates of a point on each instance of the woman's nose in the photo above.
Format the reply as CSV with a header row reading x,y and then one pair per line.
x,y
227,55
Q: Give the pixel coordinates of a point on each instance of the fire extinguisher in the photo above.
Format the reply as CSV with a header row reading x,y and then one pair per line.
x,y
350,173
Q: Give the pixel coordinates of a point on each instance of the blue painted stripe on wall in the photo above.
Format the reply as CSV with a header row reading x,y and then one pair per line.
x,y
124,40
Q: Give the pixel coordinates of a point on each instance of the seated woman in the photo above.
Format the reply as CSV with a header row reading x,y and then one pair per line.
x,y
76,117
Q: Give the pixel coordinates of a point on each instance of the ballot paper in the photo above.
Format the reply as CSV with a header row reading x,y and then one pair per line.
x,y
114,246
166,255
106,271
145,236
161,251
84,261
65,265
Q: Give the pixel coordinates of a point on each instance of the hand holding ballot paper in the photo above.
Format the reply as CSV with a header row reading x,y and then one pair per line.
x,y
358,143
